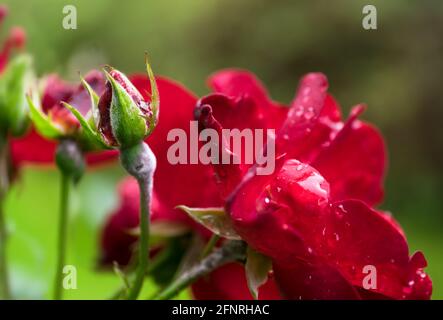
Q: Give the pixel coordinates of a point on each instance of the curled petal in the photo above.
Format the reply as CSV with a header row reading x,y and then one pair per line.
x,y
237,83
303,115
354,161
228,167
249,100
55,90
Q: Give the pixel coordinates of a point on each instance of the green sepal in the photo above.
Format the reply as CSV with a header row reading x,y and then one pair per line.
x,y
91,139
155,98
95,115
214,219
257,269
42,122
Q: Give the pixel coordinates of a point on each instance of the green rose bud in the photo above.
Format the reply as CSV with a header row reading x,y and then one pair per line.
x,y
15,82
126,118
121,116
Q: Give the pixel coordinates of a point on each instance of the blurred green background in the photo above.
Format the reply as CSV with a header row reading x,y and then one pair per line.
x,y
396,69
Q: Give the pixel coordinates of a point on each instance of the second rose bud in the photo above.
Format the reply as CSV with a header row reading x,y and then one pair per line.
x,y
121,117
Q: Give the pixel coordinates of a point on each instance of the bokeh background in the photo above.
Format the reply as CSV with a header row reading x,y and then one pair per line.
x,y
397,70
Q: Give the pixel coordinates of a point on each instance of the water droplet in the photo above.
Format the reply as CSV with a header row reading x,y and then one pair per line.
x,y
267,200
315,184
299,111
342,208
337,237
309,114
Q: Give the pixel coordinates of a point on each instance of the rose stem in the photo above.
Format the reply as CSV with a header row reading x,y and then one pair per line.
x,y
210,245
4,186
71,164
139,161
62,236
231,251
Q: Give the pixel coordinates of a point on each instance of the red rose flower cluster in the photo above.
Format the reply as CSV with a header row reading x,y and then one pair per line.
x,y
314,217
35,149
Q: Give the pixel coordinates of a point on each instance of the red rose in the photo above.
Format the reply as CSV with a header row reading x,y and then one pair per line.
x,y
293,215
312,216
33,148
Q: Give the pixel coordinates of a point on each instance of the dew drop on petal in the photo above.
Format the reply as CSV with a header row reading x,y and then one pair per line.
x,y
337,237
309,114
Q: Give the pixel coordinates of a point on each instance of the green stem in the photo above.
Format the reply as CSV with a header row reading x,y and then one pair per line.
x,y
230,251
210,245
62,236
4,282
139,161
4,186
143,250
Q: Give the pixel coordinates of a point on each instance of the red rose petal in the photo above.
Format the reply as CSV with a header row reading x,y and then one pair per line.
x,y
229,283
354,162
304,281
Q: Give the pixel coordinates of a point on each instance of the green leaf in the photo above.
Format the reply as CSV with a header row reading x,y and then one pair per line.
x,y
89,135
215,219
257,269
42,122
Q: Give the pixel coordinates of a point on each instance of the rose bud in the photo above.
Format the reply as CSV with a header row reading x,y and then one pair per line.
x,y
120,118
125,117
64,109
15,81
